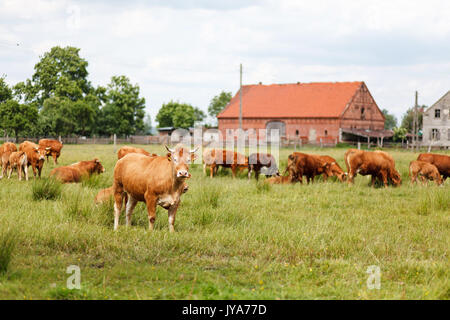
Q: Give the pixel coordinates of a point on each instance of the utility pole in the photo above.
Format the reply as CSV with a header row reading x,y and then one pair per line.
x,y
240,99
414,126
416,121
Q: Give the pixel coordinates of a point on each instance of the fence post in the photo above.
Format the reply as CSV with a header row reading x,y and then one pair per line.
x,y
368,142
321,144
115,139
359,145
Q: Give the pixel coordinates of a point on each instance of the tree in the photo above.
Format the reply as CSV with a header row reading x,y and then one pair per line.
x,y
123,112
408,117
5,90
17,118
218,103
148,125
179,115
391,120
400,134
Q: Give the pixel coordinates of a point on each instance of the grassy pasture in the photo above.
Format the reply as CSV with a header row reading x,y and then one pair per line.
x,y
235,239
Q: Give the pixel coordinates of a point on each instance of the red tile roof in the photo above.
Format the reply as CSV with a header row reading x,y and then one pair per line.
x,y
302,100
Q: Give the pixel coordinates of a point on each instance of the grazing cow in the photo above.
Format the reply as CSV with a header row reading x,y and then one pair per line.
x,y
425,170
225,158
77,171
5,151
377,164
309,165
126,150
55,148
35,155
335,169
280,180
257,161
18,160
154,180
441,161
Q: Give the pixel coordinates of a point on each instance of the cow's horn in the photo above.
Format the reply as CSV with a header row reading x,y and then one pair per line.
x,y
168,149
36,148
195,149
48,148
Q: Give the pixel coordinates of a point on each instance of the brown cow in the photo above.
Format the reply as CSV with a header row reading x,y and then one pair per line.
x,y
153,180
377,164
77,171
225,158
5,151
123,151
309,165
425,170
55,148
441,162
35,155
257,161
18,160
335,169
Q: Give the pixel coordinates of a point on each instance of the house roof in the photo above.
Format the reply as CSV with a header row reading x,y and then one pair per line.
x,y
300,100
436,103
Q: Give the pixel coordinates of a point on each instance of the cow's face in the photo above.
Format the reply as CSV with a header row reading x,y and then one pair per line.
x,y
396,178
181,158
98,168
292,167
337,172
41,152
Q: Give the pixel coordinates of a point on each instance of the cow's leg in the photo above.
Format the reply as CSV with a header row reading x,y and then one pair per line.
x,y
34,170
384,177
204,169
25,171
150,201
39,171
211,170
118,201
233,171
257,172
19,172
131,204
250,170
10,169
55,159
172,213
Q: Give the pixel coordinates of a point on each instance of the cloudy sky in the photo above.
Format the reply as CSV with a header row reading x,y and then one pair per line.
x,y
190,50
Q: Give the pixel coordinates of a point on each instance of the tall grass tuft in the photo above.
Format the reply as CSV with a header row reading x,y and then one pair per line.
x,y
8,242
76,208
96,181
46,189
262,187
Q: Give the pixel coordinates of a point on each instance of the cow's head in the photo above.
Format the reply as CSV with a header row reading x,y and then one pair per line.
x,y
41,152
395,178
98,168
337,171
181,158
292,167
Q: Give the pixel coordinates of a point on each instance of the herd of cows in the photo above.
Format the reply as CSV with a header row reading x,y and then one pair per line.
x,y
161,180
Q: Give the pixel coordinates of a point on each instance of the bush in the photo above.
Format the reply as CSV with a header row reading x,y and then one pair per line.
x,y
46,189
8,242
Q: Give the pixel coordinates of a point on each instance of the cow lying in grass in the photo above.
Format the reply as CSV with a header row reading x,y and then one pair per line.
x,y
77,171
153,180
425,170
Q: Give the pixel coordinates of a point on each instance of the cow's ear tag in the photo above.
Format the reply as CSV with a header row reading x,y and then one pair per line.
x,y
169,156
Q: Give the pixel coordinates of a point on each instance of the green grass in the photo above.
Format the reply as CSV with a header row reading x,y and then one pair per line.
x,y
235,239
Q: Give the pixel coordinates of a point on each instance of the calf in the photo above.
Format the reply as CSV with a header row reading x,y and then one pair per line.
x,y
257,161
377,164
18,160
126,150
153,180
55,148
35,155
309,165
441,161
5,151
280,180
77,171
226,159
425,170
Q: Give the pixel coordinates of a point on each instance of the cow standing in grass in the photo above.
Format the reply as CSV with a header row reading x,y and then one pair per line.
x,y
440,161
123,151
153,180
309,165
257,161
77,171
55,148
225,158
18,160
35,155
335,169
425,170
5,151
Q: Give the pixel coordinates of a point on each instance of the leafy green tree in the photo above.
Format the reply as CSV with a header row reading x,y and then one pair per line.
x,y
399,134
408,117
218,103
391,120
5,90
17,118
57,117
124,110
178,115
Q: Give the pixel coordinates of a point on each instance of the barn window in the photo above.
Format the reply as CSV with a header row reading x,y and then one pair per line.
x,y
326,133
437,113
296,132
363,116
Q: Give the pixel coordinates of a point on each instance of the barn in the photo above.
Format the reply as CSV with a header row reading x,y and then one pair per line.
x,y
313,112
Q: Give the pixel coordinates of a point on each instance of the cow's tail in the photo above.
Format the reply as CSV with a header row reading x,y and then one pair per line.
x,y
23,159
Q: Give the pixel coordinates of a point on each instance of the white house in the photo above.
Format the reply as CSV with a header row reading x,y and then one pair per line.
x,y
436,123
